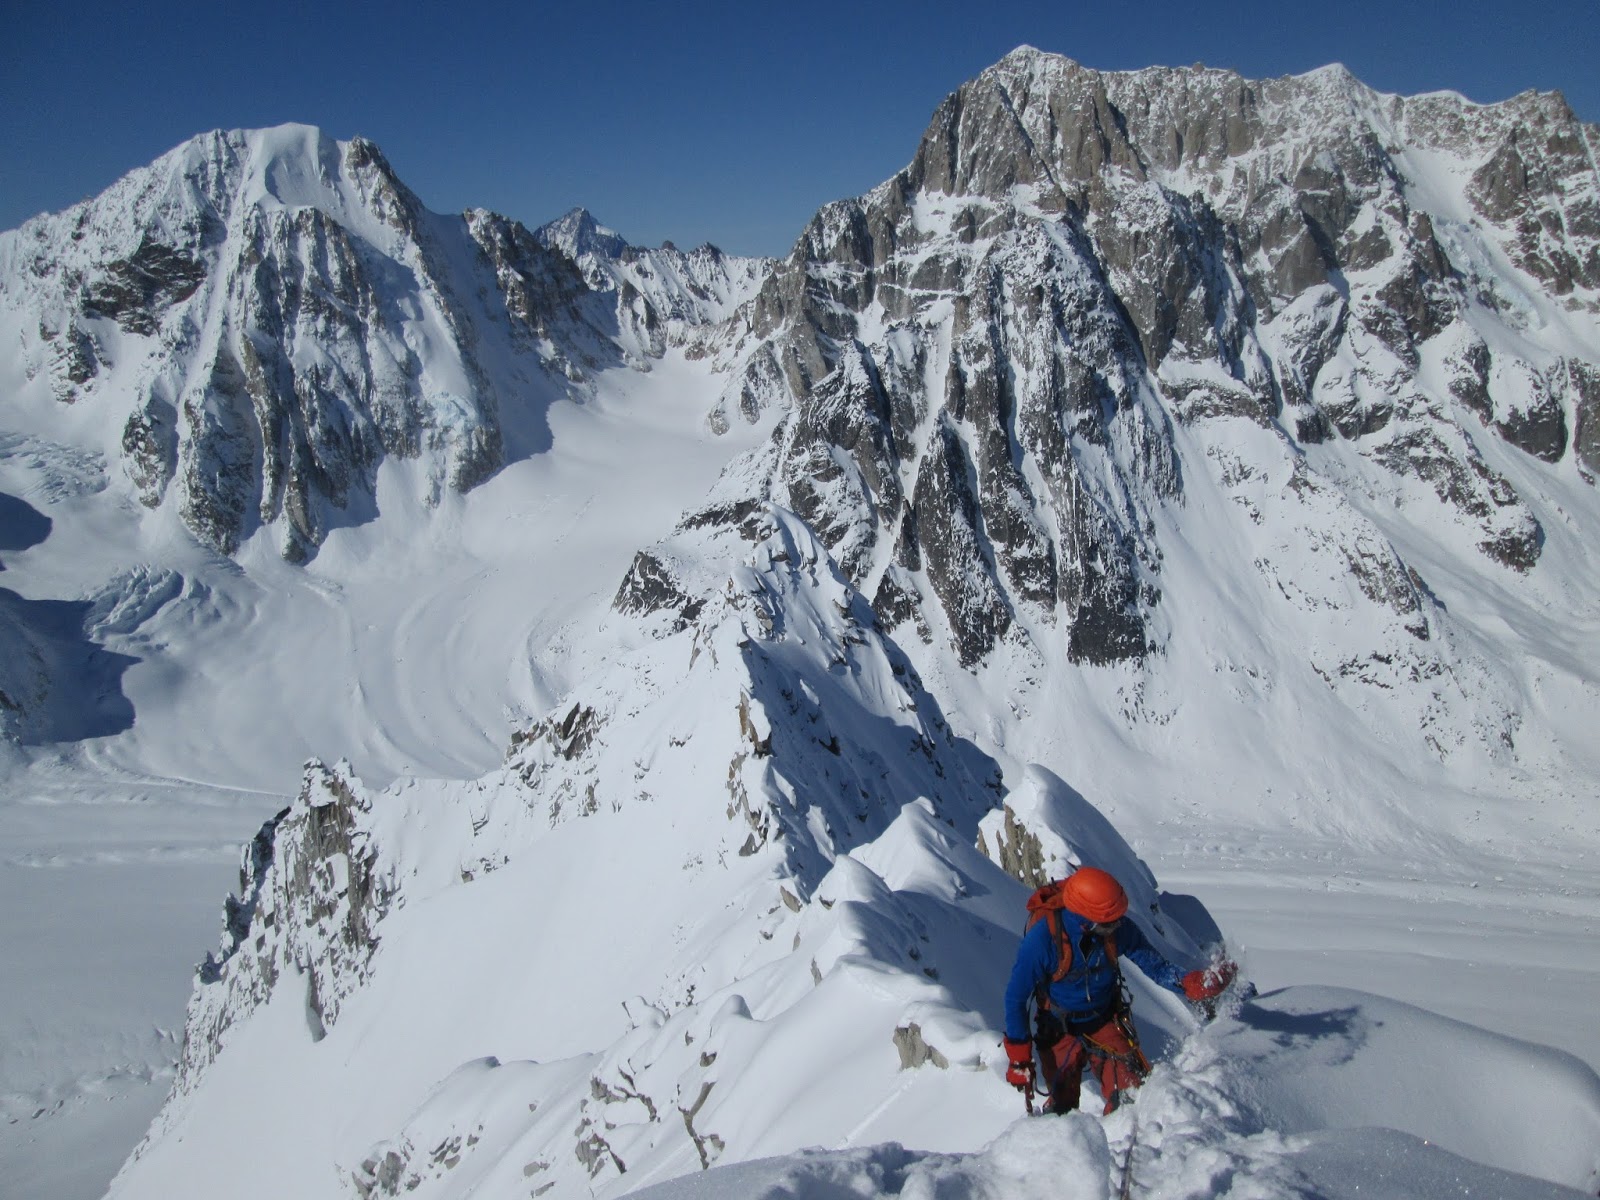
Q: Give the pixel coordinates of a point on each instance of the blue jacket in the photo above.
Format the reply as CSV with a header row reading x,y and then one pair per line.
x,y
1090,988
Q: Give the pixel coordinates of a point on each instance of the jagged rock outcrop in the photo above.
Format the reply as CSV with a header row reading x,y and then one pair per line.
x,y
314,884
549,307
778,790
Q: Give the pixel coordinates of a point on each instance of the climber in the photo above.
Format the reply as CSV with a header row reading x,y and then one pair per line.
x,y
1067,963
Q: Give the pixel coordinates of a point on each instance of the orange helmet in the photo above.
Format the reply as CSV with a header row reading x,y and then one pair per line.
x,y
1093,893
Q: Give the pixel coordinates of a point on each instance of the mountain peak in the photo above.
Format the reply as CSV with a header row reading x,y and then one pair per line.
x,y
1026,54
577,233
1031,60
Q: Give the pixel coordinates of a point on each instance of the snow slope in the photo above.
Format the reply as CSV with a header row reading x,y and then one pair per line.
x,y
1299,1093
455,981
404,647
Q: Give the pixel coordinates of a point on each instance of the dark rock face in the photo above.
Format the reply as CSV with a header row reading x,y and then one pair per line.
x,y
74,357
221,472
953,550
1538,184
134,291
1580,382
547,302
150,449
651,587
1041,354
1469,378
1533,420
648,587
1540,429
841,463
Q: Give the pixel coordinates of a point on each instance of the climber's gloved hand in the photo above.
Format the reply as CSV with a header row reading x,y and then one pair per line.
x,y
1019,1056
1211,982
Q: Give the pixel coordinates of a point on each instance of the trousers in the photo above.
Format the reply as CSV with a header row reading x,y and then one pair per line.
x,y
1099,1044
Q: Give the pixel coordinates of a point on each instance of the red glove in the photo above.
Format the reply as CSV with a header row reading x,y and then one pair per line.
x,y
1209,983
1019,1074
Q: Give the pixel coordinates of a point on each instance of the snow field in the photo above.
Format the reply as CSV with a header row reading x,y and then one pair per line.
x,y
102,909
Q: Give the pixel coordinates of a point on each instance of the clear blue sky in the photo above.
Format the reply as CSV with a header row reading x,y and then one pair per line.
x,y
727,122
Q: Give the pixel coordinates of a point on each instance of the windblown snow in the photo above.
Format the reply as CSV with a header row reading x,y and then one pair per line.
x,y
626,695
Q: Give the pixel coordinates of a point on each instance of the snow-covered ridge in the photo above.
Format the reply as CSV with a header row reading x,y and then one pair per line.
x,y
1292,1093
729,807
744,863
754,809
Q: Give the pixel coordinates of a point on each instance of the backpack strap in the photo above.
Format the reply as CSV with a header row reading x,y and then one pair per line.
x,y
1063,944
1046,904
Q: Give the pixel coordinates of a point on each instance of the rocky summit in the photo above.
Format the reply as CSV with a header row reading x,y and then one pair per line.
x,y
993,356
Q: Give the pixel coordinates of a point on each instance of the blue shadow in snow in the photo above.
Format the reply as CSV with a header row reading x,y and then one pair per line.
x,y
21,524
1288,1029
1191,913
70,686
